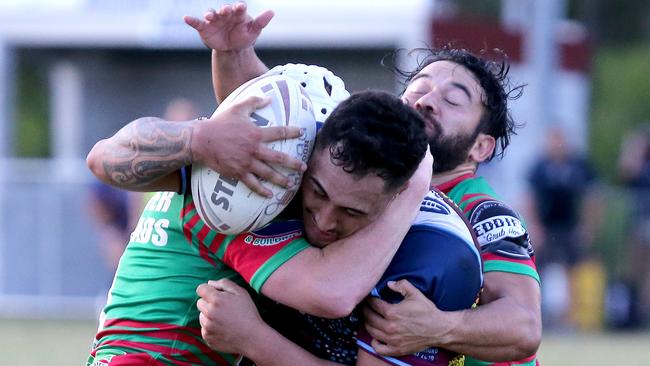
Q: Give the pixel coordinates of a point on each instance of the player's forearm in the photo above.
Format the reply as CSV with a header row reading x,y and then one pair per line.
x,y
270,348
498,331
330,282
142,153
230,69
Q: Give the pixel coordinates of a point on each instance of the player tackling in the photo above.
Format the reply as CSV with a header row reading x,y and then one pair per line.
x,y
464,101
354,192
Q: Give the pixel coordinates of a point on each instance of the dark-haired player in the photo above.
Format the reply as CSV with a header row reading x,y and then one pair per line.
x,y
464,101
356,186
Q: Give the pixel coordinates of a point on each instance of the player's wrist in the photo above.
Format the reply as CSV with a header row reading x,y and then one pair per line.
x,y
449,328
259,343
196,143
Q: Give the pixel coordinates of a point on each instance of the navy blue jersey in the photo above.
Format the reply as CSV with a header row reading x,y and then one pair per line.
x,y
438,255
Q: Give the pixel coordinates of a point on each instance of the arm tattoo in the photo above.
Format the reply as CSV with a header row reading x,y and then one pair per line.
x,y
147,149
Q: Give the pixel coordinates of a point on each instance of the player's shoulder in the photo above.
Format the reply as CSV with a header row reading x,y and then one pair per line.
x,y
439,211
440,217
279,227
275,233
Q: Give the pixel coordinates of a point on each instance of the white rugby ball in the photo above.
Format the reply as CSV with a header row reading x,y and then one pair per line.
x,y
227,205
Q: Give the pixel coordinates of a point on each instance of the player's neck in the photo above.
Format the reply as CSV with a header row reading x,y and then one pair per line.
x,y
444,177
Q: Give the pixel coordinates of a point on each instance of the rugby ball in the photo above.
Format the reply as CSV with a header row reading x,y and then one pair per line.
x,y
227,205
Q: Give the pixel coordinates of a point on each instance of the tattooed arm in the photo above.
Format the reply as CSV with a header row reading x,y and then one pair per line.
x,y
146,154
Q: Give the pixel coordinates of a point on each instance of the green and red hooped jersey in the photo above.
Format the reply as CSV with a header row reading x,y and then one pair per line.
x,y
505,244
151,313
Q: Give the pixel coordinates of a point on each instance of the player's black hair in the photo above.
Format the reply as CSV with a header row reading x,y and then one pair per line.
x,y
375,132
492,75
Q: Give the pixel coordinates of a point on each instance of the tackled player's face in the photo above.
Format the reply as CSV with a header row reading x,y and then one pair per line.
x,y
451,100
336,204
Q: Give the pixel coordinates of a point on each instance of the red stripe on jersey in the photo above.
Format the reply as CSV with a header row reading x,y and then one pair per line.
x,y
171,354
468,197
448,186
187,209
203,233
149,326
515,363
189,225
494,257
172,335
247,258
128,360
205,254
470,206
164,351
216,242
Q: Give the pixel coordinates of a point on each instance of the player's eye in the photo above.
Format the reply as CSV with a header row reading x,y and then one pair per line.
x,y
451,102
319,192
354,213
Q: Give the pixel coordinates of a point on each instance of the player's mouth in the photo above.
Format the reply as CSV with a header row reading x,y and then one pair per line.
x,y
431,124
316,236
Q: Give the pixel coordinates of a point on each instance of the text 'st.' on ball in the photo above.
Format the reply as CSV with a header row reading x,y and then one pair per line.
x,y
227,205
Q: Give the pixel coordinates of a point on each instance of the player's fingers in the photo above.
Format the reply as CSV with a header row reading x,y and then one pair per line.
x,y
205,322
193,22
262,21
225,11
210,15
202,305
375,333
207,292
225,285
281,133
403,287
379,306
239,8
383,349
254,184
271,156
250,104
268,173
372,318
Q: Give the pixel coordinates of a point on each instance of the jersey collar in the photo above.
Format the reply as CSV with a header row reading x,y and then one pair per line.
x,y
449,185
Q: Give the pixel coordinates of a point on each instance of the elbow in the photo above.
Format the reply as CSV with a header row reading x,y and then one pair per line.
x,y
530,337
334,307
332,300
95,163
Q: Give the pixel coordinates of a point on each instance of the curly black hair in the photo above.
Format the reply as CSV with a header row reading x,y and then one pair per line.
x,y
375,132
492,75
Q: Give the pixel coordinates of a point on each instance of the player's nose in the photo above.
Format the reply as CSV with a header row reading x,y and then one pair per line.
x,y
427,102
325,219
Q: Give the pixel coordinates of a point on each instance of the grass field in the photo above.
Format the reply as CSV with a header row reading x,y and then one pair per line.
x,y
53,343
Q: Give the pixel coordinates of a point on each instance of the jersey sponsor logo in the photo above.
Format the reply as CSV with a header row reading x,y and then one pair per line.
x,y
497,228
270,240
492,221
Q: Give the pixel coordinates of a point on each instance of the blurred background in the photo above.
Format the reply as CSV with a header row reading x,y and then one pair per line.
x,y
75,71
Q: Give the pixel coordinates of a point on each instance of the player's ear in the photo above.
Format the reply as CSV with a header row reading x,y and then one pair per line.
x,y
402,188
482,149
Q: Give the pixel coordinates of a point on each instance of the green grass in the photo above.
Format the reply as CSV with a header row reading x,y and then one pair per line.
x,y
47,342
629,349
